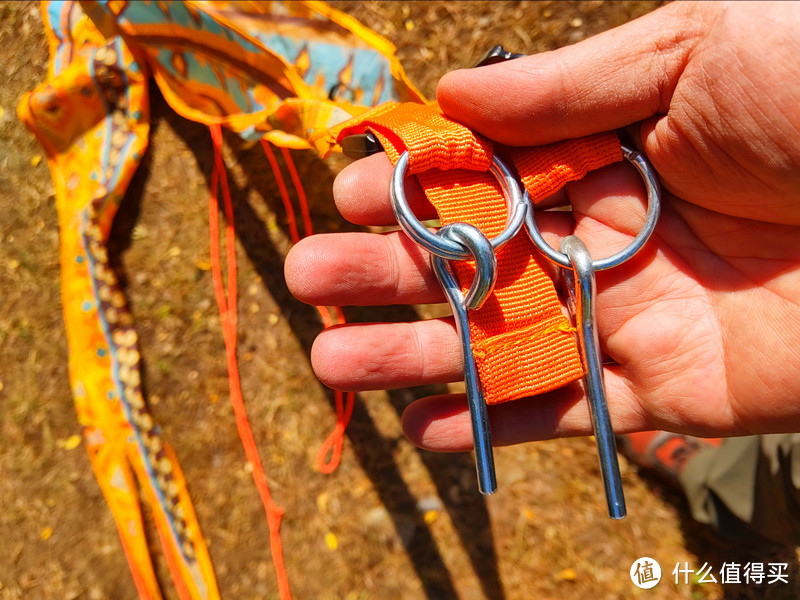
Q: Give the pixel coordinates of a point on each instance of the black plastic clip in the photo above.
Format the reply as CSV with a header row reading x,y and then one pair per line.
x,y
496,55
361,145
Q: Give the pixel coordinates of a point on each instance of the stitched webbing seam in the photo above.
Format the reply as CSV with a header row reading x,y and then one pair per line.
x,y
559,323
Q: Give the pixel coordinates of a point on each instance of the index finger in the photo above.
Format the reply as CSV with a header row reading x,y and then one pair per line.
x,y
361,193
606,82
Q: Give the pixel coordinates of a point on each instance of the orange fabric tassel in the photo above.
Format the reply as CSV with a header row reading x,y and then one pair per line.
x,y
330,315
227,308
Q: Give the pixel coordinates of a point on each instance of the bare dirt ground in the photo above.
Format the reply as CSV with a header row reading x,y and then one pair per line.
x,y
407,523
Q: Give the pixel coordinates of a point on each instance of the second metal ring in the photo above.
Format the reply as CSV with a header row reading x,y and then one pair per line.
x,y
653,210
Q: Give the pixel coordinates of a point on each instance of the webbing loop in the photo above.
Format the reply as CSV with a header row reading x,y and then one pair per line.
x,y
442,246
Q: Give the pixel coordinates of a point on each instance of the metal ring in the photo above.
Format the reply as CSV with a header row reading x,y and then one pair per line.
x,y
653,210
445,247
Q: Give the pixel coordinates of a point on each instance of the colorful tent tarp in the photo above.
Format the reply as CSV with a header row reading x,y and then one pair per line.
x,y
280,71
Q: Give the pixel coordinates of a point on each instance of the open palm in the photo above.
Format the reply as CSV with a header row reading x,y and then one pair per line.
x,y
700,328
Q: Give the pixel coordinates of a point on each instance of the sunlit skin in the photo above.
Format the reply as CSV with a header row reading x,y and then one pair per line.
x,y
700,329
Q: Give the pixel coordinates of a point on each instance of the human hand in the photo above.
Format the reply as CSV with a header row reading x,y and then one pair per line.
x,y
702,325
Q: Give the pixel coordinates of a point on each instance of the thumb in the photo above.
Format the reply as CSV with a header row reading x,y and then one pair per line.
x,y
608,81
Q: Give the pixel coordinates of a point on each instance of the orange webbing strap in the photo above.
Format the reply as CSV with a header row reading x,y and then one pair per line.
x,y
522,342
546,169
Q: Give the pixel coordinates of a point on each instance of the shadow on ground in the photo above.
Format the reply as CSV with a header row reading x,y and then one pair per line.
x,y
375,453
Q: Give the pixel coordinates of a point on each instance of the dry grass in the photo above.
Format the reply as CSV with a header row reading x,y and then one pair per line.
x,y
409,524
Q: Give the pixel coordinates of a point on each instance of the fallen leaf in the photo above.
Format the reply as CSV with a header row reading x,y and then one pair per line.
x,y
36,160
322,502
567,575
331,541
46,533
70,443
529,514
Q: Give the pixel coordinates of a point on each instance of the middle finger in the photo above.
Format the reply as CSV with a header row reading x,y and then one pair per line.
x,y
361,269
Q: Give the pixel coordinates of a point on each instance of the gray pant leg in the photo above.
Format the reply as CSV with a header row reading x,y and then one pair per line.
x,y
748,485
